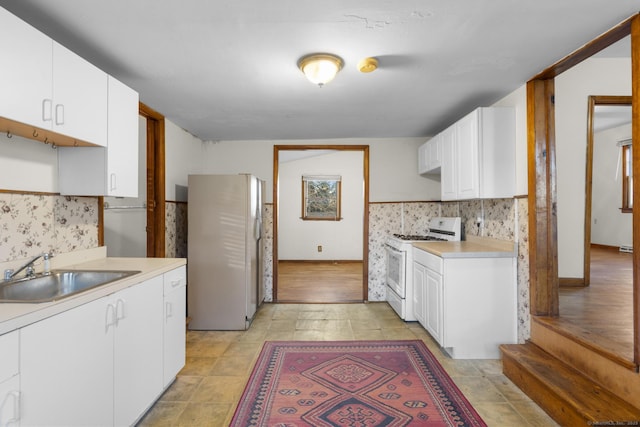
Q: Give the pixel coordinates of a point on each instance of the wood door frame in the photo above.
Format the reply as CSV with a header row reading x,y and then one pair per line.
x,y
588,191
155,182
365,201
543,244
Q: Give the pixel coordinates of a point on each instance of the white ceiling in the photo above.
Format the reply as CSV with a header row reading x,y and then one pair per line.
x,y
226,69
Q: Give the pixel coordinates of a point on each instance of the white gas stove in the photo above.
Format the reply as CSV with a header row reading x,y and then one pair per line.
x,y
399,249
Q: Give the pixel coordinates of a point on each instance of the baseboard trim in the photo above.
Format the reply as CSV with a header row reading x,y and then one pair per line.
x,y
571,282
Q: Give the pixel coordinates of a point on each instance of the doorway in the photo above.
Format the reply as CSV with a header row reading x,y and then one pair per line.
x,y
307,151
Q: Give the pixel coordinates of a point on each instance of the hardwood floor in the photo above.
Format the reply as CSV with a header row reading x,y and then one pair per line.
x,y
319,282
603,310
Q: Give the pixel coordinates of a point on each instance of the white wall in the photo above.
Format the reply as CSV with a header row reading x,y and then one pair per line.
x,y
340,240
27,165
609,225
393,165
595,76
183,156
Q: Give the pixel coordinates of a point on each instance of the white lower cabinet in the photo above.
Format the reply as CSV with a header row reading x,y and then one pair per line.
x,y
468,304
175,313
9,379
98,364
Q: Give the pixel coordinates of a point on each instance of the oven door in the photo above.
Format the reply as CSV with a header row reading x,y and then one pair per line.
x,y
396,270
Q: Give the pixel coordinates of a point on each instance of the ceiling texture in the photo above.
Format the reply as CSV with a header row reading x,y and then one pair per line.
x,y
227,69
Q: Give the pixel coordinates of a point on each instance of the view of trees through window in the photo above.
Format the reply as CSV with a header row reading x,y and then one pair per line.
x,y
627,179
321,198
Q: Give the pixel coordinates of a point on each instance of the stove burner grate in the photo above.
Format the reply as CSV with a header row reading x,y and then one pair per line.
x,y
418,237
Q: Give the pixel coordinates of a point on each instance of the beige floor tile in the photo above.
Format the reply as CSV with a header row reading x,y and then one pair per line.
x,y
163,414
220,389
219,363
205,414
182,389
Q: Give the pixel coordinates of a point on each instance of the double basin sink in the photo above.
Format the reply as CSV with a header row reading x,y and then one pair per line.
x,y
57,285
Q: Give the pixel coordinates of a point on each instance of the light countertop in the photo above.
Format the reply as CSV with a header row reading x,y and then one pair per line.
x,y
17,315
473,247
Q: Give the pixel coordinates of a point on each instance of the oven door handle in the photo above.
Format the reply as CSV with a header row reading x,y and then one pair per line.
x,y
392,249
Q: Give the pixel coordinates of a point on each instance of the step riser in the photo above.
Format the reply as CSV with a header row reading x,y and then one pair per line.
x,y
553,405
617,379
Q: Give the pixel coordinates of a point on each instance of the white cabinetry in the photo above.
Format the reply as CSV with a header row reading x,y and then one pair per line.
x,y
478,159
96,171
430,156
47,86
96,364
469,304
419,289
9,380
175,299
25,77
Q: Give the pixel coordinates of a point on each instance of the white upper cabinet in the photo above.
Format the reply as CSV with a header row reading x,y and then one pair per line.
x,y
478,156
25,77
47,86
112,171
430,156
79,97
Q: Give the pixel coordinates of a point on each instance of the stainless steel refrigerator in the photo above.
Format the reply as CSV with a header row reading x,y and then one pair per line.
x,y
224,251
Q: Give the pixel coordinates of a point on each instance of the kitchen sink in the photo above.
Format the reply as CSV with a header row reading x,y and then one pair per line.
x,y
57,285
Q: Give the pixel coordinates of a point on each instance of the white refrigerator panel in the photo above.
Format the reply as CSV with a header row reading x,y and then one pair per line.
x,y
222,251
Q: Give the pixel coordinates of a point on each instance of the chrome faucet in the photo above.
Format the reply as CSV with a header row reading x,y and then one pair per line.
x,y
30,271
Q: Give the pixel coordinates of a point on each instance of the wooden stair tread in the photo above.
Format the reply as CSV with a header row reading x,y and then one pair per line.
x,y
603,346
563,392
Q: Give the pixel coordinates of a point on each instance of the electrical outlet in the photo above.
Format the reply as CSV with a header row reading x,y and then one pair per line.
x,y
319,248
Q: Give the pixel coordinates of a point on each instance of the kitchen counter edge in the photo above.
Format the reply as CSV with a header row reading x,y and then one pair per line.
x,y
18,315
473,247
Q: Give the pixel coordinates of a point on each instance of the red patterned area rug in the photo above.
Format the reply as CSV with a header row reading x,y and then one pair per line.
x,y
351,383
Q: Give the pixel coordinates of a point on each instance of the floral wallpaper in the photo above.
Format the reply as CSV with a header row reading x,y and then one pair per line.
x,y
175,233
31,224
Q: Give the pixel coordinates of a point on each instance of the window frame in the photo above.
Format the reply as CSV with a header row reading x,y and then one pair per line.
x,y
335,180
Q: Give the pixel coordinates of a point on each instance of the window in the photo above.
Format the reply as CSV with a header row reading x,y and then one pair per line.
x,y
627,178
321,197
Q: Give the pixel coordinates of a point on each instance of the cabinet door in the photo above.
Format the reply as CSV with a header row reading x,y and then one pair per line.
x,y
175,304
10,402
79,97
26,76
434,314
434,155
423,158
449,168
467,156
418,298
66,367
122,154
138,349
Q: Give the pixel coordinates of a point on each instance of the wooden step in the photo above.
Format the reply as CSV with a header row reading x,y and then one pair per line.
x,y
569,397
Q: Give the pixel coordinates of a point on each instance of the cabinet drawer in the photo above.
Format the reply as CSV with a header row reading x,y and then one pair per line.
x,y
174,279
9,355
429,260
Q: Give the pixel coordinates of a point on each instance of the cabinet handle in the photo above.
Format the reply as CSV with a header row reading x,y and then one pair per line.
x,y
168,310
59,114
120,314
16,408
46,110
175,283
109,320
112,181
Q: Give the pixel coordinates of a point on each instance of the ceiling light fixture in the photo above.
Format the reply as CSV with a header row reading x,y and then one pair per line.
x,y
320,68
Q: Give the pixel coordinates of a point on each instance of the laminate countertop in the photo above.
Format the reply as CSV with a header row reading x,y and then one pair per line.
x,y
17,315
473,247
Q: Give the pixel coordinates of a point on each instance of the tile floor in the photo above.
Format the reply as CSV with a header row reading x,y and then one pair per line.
x,y
220,362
